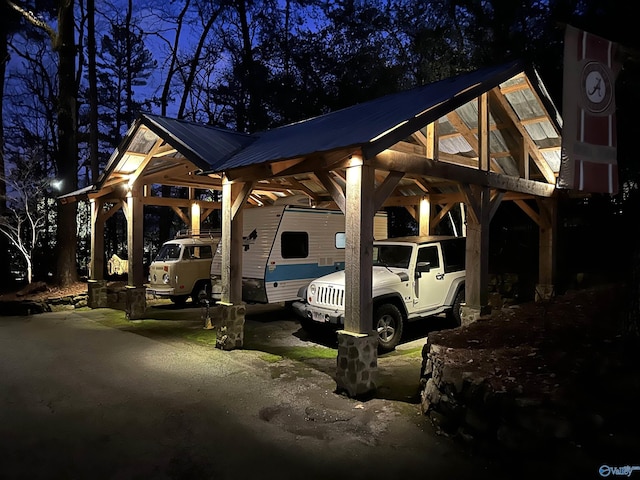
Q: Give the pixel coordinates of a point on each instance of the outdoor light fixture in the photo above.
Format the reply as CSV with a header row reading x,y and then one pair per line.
x,y
355,161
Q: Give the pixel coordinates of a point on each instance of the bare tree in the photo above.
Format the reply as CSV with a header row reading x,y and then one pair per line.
x,y
63,43
26,209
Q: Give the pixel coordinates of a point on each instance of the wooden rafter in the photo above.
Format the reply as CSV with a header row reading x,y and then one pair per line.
x,y
413,164
539,160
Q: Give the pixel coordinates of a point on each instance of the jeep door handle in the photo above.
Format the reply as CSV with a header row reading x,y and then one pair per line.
x,y
439,276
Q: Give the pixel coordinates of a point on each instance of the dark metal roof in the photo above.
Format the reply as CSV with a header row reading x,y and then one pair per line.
x,y
203,144
376,124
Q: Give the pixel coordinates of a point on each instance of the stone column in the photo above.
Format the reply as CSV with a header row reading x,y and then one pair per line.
x,y
97,294
231,332
357,363
136,302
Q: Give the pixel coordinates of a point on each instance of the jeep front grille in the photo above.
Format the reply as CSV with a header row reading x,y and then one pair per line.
x,y
330,297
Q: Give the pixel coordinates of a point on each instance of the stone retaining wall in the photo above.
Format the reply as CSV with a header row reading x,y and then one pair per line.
x,y
464,404
32,307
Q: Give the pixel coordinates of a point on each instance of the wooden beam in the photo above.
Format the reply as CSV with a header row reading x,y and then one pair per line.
x,y
385,188
391,160
324,161
240,197
533,215
336,192
180,202
494,203
133,178
181,214
412,211
441,214
483,133
538,159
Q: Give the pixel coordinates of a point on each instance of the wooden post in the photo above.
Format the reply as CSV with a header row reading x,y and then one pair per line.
x,y
96,264
195,218
477,253
357,360
136,302
232,310
547,249
424,215
135,236
359,248
231,274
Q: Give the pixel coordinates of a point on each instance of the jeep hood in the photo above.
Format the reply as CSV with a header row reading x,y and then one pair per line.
x,y
381,276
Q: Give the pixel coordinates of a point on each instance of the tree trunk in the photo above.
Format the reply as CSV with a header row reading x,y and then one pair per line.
x,y
67,158
94,160
4,244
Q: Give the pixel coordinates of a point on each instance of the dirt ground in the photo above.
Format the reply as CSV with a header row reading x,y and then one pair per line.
x,y
546,349
570,351
40,291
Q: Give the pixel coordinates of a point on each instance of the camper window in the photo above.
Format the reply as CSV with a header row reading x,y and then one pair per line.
x,y
197,252
341,240
294,244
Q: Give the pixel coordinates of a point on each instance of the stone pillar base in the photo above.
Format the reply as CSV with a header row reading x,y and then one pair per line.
x,y
97,294
231,332
544,292
470,314
136,302
357,363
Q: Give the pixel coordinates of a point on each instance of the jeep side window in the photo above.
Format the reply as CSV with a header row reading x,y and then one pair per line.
x,y
454,254
429,254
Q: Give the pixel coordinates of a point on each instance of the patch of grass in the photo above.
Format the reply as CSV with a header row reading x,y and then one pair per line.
x,y
270,357
411,353
207,337
305,353
114,319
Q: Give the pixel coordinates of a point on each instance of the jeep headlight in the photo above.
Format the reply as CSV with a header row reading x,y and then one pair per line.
x,y
165,278
312,289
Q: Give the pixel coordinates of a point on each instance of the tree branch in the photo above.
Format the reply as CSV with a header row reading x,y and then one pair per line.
x,y
35,21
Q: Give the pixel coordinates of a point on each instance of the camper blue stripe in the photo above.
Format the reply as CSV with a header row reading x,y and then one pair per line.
x,y
300,271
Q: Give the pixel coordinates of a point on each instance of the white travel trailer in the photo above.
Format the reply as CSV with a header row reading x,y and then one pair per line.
x,y
286,246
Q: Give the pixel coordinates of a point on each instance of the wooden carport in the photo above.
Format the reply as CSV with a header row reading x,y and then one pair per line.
x,y
479,139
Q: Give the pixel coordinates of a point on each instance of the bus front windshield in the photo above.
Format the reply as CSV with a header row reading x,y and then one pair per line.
x,y
169,251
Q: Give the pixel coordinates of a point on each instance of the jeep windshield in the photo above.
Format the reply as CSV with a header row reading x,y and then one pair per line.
x,y
169,251
392,255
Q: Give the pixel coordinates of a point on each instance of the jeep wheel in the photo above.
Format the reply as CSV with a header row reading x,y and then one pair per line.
x,y
387,322
454,314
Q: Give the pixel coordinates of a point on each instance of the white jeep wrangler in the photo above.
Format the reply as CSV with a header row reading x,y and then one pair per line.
x,y
413,278
182,267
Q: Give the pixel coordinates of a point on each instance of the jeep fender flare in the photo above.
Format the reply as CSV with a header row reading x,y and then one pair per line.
x,y
456,286
393,298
